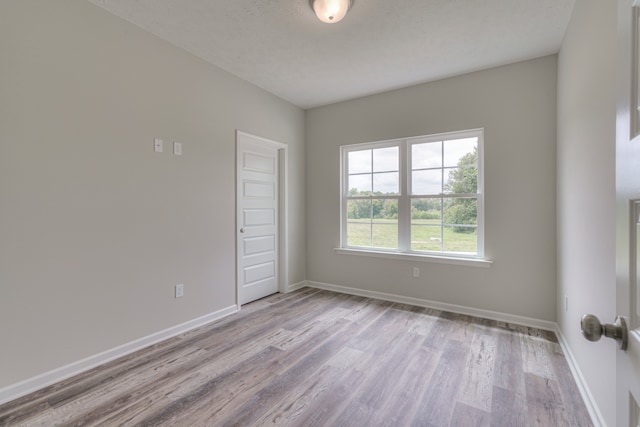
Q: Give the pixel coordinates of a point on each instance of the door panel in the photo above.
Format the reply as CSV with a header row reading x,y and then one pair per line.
x,y
628,362
259,273
253,217
258,190
257,218
259,245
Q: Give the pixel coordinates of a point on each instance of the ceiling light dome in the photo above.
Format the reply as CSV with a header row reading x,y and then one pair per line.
x,y
331,11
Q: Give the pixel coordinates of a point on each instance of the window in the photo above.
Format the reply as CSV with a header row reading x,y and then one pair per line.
x,y
420,195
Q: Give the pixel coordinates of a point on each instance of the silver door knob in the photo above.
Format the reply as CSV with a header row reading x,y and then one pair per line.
x,y
242,230
593,330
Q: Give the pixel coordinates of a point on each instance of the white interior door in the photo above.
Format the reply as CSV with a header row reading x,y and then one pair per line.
x,y
626,328
628,214
257,217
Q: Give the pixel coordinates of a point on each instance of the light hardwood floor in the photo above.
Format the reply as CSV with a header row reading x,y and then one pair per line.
x,y
318,358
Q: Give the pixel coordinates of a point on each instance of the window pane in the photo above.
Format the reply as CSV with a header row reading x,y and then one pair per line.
x,y
359,161
462,211
386,183
427,155
359,209
461,180
385,234
386,159
386,209
426,182
359,185
426,220
426,211
359,222
459,152
358,234
426,238
457,241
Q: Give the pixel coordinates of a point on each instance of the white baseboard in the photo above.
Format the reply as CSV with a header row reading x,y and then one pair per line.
x,y
460,309
38,382
585,392
295,286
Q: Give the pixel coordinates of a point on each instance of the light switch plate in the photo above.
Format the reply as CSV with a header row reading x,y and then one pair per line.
x,y
157,145
179,290
177,148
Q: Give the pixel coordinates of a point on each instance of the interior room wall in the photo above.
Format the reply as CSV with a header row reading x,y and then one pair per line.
x,y
586,190
95,227
516,106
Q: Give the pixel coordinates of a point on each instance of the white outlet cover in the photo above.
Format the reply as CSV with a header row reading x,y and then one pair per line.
x,y
177,148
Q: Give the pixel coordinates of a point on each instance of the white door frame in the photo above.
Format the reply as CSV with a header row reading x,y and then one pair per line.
x,y
283,202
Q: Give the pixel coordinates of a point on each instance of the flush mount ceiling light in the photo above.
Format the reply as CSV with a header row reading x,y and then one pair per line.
x,y
330,11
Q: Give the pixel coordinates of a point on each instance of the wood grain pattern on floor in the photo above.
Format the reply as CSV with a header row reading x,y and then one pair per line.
x,y
318,358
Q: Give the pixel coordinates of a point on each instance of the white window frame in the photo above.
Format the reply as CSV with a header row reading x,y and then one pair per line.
x,y
404,202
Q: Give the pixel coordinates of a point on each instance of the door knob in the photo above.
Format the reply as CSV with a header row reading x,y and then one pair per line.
x,y
242,230
593,330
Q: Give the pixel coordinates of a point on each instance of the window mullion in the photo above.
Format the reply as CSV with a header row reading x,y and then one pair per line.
x,y
404,201
344,184
371,203
442,221
442,226
370,221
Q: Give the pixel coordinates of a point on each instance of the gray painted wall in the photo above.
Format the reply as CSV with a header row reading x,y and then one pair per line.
x,y
96,228
516,105
586,189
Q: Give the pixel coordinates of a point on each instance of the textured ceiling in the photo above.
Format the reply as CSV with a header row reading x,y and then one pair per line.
x,y
280,46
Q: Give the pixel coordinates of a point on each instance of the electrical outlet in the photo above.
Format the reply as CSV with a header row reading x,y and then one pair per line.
x,y
179,290
177,148
416,272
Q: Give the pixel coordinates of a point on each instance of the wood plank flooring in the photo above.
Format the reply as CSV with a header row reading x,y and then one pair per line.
x,y
318,358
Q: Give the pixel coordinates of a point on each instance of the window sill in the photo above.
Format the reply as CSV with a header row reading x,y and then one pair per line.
x,y
469,262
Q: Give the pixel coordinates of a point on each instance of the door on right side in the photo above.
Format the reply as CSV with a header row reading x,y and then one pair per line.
x,y
628,212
